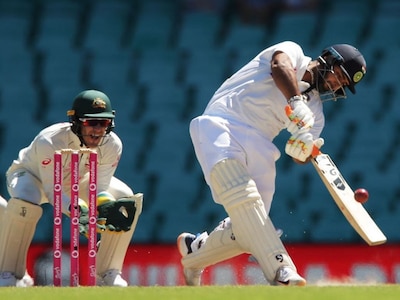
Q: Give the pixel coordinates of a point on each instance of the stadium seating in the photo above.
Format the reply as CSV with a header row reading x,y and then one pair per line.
x,y
58,25
160,63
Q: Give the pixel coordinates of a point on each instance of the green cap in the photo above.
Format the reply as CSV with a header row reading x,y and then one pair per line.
x,y
92,104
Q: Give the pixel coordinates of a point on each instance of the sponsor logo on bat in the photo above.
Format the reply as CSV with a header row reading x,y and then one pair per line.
x,y
339,184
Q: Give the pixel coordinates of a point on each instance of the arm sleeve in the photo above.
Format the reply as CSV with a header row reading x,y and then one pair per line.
x,y
45,150
108,158
295,53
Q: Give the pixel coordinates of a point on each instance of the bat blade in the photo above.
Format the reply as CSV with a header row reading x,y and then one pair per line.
x,y
343,195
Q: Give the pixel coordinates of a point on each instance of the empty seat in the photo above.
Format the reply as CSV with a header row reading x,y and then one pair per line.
x,y
154,25
58,25
174,224
108,69
242,35
147,228
107,25
381,29
175,193
199,30
62,68
15,24
59,101
385,66
169,148
16,68
158,66
164,103
334,228
242,55
210,74
385,223
288,22
336,30
18,102
18,107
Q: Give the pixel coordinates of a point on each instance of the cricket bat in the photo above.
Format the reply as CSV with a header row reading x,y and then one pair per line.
x,y
343,195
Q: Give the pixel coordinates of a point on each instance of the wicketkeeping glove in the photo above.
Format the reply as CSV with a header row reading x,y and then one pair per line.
x,y
301,146
119,214
300,116
113,215
84,220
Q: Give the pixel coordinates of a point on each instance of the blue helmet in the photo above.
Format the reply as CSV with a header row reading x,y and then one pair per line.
x,y
349,59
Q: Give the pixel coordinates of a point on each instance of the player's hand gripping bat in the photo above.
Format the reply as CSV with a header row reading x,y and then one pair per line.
x,y
343,195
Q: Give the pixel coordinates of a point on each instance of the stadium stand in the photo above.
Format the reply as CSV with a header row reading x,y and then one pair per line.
x,y
161,62
57,24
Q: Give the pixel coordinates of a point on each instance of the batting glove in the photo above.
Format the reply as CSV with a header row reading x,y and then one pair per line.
x,y
300,116
301,146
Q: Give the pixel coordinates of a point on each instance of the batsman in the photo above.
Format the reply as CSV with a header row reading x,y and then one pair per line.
x,y
280,88
30,184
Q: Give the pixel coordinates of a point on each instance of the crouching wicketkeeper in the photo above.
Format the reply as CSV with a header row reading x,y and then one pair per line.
x,y
30,183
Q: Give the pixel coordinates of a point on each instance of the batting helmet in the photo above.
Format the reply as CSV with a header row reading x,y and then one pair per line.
x,y
90,104
350,60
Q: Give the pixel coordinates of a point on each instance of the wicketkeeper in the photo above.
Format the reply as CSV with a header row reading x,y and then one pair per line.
x,y
30,184
280,88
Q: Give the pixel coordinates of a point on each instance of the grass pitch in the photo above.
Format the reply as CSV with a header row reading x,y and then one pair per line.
x,y
382,292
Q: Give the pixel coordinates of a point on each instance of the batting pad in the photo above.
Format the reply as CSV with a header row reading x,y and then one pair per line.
x,y
17,228
253,229
220,245
113,245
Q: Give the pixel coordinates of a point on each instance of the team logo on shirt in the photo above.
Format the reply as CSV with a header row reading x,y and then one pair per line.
x,y
46,161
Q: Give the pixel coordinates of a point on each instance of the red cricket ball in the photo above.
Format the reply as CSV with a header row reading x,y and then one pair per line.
x,y
361,195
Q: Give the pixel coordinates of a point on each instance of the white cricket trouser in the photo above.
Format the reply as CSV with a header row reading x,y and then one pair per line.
x,y
215,139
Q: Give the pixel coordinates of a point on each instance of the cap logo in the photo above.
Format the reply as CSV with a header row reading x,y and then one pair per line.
x,y
358,76
99,103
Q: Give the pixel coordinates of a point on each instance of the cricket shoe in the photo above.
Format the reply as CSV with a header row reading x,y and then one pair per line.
x,y
111,278
26,281
287,276
184,242
8,279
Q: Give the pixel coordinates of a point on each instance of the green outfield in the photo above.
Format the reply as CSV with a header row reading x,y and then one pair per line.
x,y
382,292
